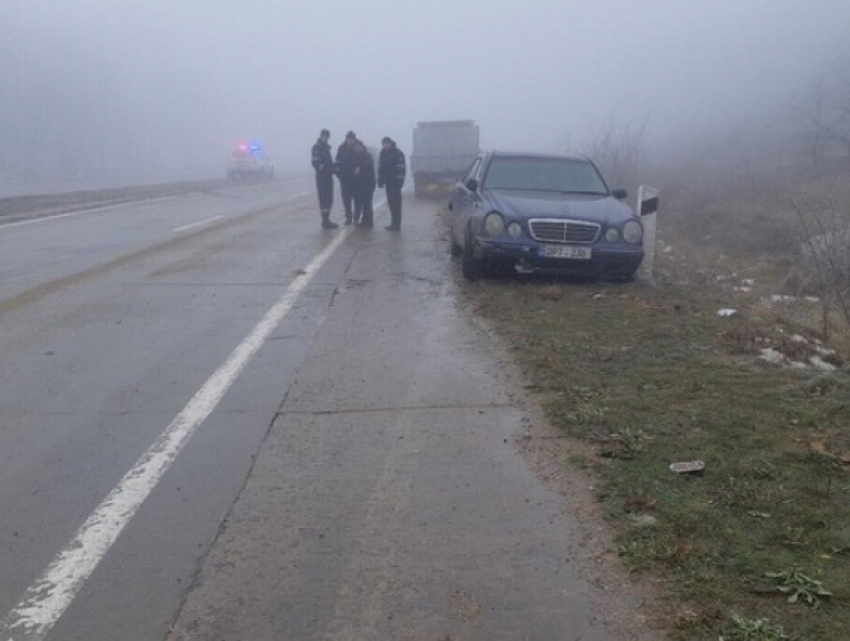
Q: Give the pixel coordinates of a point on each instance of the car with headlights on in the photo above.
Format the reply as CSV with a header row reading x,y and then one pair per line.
x,y
248,160
543,213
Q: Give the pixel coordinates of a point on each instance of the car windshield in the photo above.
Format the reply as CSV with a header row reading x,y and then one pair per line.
x,y
545,174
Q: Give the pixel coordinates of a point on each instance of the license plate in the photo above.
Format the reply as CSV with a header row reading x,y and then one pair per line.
x,y
568,251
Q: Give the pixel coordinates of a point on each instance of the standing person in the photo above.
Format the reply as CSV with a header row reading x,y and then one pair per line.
x,y
345,173
392,170
323,164
364,186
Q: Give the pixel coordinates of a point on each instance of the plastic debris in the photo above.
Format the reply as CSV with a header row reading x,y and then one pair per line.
x,y
781,298
820,364
688,467
772,356
644,520
727,313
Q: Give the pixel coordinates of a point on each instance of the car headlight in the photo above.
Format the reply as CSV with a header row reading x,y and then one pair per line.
x,y
612,235
633,232
515,230
494,224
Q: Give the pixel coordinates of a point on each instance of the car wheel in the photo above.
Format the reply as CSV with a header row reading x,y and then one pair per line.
x,y
472,266
502,268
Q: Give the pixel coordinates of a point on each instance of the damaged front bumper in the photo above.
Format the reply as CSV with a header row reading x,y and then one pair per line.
x,y
607,260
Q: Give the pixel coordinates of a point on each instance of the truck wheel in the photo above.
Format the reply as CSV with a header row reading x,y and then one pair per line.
x,y
471,266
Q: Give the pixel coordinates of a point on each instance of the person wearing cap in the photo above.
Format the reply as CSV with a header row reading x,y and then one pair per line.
x,y
392,170
323,165
345,173
363,186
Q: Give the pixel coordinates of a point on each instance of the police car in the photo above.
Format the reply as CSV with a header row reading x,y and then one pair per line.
x,y
249,161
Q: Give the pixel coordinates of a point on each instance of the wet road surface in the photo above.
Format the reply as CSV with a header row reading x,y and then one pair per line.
x,y
353,476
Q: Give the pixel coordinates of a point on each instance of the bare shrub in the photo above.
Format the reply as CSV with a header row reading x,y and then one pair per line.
x,y
618,148
824,223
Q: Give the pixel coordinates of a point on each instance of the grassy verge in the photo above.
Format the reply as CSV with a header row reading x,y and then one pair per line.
x,y
653,376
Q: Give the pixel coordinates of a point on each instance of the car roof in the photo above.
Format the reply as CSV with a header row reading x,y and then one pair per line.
x,y
500,153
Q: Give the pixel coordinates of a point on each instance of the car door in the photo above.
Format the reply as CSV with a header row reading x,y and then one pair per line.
x,y
462,201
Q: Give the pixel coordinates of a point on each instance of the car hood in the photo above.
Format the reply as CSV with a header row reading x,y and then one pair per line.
x,y
523,205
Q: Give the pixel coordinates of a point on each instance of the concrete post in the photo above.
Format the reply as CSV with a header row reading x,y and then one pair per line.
x,y
645,194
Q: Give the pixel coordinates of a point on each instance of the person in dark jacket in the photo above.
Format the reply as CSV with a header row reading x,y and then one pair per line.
x,y
323,165
345,173
364,186
392,170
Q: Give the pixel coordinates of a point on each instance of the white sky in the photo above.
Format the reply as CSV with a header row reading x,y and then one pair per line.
x,y
195,75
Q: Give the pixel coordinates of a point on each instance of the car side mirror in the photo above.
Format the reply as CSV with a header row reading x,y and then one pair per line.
x,y
472,185
649,206
620,194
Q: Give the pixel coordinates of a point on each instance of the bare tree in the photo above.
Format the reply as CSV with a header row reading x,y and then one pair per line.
x,y
619,148
825,236
815,114
841,129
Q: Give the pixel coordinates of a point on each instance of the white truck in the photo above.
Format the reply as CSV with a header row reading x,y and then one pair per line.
x,y
442,151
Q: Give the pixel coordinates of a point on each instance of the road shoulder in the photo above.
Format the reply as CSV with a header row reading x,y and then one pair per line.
x,y
389,500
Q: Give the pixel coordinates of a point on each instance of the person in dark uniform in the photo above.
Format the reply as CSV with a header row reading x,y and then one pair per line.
x,y
392,170
323,165
364,186
345,173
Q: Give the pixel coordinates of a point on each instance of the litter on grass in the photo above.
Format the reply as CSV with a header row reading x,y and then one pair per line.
x,y
688,467
820,364
781,298
775,357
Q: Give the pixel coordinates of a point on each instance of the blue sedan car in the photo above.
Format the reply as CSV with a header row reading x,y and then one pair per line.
x,y
543,213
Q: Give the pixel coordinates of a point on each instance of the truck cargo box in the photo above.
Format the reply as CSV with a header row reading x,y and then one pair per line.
x,y
442,151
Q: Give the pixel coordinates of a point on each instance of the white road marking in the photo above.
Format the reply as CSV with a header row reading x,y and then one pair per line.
x,y
82,212
53,592
197,224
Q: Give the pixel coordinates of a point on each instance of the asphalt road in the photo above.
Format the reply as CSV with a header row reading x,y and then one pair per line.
x,y
219,422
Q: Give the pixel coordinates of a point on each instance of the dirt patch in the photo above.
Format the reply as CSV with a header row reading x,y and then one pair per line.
x,y
465,606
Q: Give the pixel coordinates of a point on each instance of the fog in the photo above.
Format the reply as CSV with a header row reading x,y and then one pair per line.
x,y
162,89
